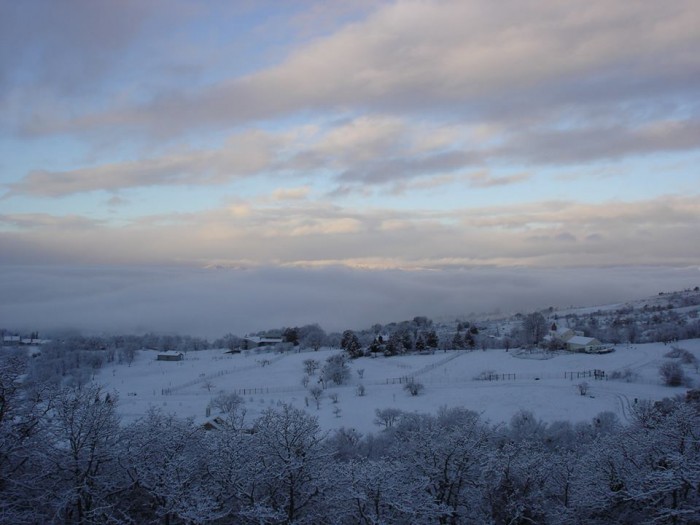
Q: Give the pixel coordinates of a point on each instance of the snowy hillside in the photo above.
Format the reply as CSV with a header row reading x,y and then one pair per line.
x,y
547,387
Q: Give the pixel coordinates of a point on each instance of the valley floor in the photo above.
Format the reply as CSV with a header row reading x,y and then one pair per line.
x,y
544,385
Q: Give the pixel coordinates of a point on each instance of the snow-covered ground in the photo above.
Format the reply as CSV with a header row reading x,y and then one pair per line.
x,y
543,386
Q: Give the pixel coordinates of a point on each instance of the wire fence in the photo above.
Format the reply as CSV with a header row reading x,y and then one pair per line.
x,y
203,379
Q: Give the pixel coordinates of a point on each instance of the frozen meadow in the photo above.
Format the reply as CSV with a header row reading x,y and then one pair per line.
x,y
544,384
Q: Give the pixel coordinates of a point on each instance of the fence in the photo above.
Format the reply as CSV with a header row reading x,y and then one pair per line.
x,y
595,374
433,366
203,379
498,377
395,381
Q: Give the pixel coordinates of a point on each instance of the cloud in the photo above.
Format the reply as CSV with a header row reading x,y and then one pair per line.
x,y
45,221
291,194
211,303
368,151
47,46
479,180
595,143
477,59
116,201
243,154
484,179
342,129
387,170
652,232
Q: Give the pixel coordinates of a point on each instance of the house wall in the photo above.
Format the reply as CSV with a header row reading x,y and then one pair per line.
x,y
169,358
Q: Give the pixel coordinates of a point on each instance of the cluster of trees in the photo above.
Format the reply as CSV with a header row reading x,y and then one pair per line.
x,y
65,457
648,324
74,359
392,339
416,335
307,336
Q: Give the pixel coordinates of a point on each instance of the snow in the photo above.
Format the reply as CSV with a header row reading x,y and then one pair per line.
x,y
539,383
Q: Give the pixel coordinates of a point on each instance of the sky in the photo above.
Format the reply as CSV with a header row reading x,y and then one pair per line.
x,y
316,139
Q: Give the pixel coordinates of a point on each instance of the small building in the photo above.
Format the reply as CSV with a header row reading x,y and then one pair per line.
x,y
214,424
579,343
30,341
11,340
170,356
254,341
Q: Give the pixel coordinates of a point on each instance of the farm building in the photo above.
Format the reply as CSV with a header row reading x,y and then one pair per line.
x,y
254,341
11,340
214,424
170,356
16,340
579,343
562,334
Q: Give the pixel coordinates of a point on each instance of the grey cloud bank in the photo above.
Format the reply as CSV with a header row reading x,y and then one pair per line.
x,y
212,302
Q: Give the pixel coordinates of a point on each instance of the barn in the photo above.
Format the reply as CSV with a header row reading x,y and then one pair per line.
x,y
170,356
579,343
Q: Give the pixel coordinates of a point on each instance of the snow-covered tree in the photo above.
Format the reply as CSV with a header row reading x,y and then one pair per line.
x,y
336,369
312,336
166,461
290,449
351,344
23,441
447,451
534,328
81,463
381,491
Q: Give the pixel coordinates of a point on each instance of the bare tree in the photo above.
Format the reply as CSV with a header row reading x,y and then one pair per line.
x,y
232,406
387,416
316,393
310,366
534,328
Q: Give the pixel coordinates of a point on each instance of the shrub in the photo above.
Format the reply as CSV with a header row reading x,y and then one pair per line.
x,y
684,355
674,352
672,374
624,375
688,359
413,387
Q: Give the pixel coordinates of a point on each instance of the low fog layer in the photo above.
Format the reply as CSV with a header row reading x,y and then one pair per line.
x,y
213,302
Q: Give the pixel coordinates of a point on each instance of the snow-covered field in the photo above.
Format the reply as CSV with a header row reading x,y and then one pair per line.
x,y
542,386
